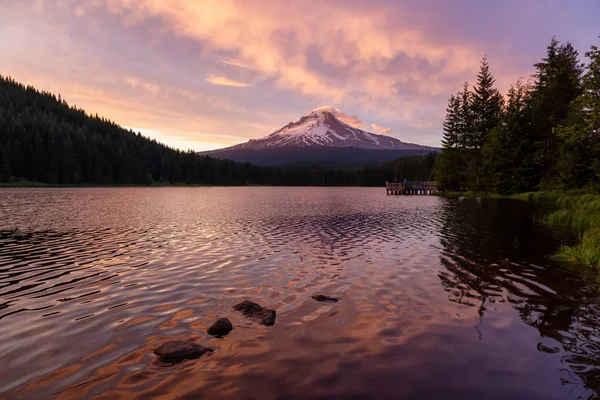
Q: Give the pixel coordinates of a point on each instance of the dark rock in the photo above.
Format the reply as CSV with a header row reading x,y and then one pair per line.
x,y
321,297
221,327
262,315
178,350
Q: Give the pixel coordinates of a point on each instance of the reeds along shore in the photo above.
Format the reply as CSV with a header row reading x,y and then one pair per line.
x,y
581,212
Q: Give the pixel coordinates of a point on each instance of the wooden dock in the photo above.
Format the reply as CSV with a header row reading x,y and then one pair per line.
x,y
411,187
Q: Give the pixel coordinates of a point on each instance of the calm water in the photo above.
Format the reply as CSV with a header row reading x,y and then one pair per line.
x,y
438,298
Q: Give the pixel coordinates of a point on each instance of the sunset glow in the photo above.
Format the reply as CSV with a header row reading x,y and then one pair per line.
x,y
206,74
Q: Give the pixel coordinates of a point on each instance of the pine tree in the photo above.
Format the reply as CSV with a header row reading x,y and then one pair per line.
x,y
465,135
508,153
449,168
558,83
17,162
579,136
451,125
5,164
486,105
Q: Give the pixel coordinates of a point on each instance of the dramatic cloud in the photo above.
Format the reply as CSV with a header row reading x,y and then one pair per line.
x,y
393,64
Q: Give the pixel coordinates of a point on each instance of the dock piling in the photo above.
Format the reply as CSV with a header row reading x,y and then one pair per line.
x,y
411,188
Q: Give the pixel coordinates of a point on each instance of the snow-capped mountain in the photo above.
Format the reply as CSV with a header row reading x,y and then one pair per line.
x,y
323,129
320,139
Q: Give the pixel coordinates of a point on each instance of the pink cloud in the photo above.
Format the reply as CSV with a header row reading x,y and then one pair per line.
x,y
223,81
351,120
380,129
355,121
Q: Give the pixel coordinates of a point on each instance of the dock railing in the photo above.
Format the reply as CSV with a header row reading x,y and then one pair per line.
x,y
411,187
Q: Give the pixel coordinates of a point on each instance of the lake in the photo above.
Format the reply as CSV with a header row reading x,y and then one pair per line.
x,y
439,298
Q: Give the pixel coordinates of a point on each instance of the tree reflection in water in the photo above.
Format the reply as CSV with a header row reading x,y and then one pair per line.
x,y
489,259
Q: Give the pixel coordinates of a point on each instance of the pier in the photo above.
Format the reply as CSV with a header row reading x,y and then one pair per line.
x,y
411,187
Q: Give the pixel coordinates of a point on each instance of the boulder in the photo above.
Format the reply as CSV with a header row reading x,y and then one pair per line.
x,y
221,327
321,297
262,315
176,351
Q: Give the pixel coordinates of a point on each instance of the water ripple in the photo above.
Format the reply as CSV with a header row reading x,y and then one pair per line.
x,y
437,297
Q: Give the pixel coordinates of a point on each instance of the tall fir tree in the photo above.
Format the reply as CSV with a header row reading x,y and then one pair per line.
x,y
5,170
579,136
557,84
449,167
451,125
466,118
486,105
509,150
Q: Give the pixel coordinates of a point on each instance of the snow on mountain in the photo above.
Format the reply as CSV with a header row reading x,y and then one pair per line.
x,y
322,129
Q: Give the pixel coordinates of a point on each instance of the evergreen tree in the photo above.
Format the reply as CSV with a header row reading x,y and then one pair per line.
x,y
558,83
509,151
17,159
547,135
486,105
5,164
451,125
465,135
579,136
467,152
449,168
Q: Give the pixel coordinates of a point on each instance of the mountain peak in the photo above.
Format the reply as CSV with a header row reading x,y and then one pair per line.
x,y
320,138
324,109
321,129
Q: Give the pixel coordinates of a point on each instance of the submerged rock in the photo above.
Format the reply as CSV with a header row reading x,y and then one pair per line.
x,y
265,316
176,351
221,327
321,297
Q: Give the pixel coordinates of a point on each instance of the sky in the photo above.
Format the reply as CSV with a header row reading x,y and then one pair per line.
x,y
209,74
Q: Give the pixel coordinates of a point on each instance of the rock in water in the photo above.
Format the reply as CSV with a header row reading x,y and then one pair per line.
x,y
321,297
262,315
176,351
221,327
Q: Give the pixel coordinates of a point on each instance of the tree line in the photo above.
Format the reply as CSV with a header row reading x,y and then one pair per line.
x,y
544,135
43,139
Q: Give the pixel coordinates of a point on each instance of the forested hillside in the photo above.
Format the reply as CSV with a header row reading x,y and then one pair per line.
x,y
544,135
43,139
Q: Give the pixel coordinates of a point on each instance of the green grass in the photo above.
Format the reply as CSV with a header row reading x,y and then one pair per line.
x,y
582,213
574,218
455,195
586,252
